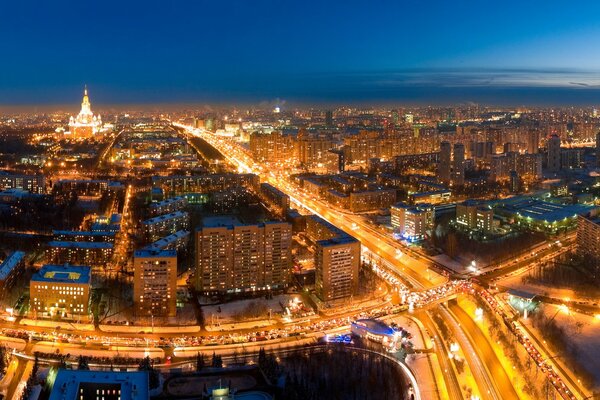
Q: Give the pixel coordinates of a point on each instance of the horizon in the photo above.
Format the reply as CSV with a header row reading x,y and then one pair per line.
x,y
335,53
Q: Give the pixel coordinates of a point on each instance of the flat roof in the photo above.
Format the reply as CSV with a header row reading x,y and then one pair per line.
x,y
80,245
522,294
63,273
165,217
154,253
168,201
541,210
220,221
133,385
167,240
10,263
83,233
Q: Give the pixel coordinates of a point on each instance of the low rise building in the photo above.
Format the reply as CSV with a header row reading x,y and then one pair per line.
x,y
168,206
100,385
33,183
412,222
473,215
60,290
10,269
164,225
88,253
176,241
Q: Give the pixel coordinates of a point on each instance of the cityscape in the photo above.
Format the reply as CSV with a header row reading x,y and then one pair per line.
x,y
310,237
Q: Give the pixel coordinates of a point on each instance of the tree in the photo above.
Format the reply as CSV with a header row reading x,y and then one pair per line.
x,y
217,361
3,359
82,363
153,377
199,361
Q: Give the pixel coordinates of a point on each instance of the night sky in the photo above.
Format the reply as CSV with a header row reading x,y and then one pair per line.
x,y
252,51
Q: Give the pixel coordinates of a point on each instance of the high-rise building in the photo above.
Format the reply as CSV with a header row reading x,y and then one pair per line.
x,y
232,257
337,260
155,283
588,238
86,124
444,165
329,118
458,165
60,290
274,147
553,148
533,141
312,149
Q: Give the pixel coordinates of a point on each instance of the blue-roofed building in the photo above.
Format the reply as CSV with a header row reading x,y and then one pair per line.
x,y
10,269
60,290
532,213
105,385
88,253
375,330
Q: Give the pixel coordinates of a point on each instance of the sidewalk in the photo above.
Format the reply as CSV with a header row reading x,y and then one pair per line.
x,y
58,325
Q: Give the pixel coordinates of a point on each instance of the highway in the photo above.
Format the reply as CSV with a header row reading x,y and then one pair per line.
x,y
392,255
481,345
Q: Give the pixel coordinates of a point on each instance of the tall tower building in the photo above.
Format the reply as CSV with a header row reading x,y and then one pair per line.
x,y
86,124
155,282
337,260
329,118
444,166
232,257
458,165
533,141
553,146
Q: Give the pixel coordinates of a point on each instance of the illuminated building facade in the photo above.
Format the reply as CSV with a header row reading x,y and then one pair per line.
x,y
155,282
59,290
232,257
85,124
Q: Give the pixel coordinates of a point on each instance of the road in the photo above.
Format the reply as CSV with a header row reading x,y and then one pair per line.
x,y
393,256
480,344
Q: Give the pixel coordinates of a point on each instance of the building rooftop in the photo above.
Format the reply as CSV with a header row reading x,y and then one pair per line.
x,y
83,233
540,210
375,326
165,217
146,253
168,201
68,383
80,245
167,240
221,221
63,273
10,263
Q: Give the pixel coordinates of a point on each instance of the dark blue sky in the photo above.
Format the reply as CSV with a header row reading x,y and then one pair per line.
x,y
415,51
